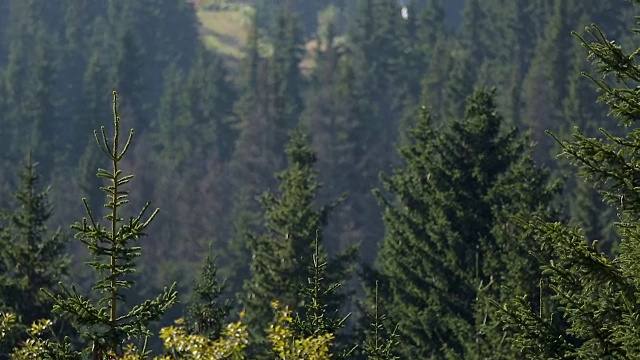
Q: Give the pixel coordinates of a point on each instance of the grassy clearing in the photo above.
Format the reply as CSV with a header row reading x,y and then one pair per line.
x,y
226,29
224,26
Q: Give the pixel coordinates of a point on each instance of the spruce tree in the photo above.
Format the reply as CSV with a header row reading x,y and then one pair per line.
x,y
506,61
544,85
281,256
29,82
126,72
368,113
449,243
436,40
112,245
586,207
268,106
90,114
336,120
194,116
322,298
468,55
598,310
285,79
381,342
249,110
207,311
31,257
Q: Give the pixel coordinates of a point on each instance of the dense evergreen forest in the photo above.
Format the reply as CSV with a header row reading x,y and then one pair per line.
x,y
334,179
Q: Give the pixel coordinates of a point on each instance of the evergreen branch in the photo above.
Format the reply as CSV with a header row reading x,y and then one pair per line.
x,y
104,148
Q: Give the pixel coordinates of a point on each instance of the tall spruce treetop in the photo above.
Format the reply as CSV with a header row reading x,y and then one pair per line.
x,y
206,311
285,79
267,108
587,209
31,257
544,86
269,104
282,255
449,241
597,295
435,39
105,323
466,59
193,119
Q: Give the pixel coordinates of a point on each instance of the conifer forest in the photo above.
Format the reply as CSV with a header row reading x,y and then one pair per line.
x,y
319,179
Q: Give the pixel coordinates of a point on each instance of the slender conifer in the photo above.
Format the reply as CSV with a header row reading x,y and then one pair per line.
x,y
111,243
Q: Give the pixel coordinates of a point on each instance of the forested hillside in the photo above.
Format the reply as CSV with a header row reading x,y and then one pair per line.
x,y
387,159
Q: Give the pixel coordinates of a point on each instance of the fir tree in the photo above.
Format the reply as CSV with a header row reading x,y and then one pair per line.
x,y
437,42
29,82
105,323
40,100
586,207
368,113
469,55
285,81
269,105
322,298
194,117
126,72
31,257
207,312
597,295
449,242
380,343
250,157
208,99
335,120
281,256
544,86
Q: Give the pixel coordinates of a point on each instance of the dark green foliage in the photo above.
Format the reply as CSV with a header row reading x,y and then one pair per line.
x,y
381,343
111,245
149,36
30,77
213,130
194,118
546,81
268,107
466,58
207,312
587,208
126,72
322,299
237,264
366,113
597,295
315,320
435,42
92,110
450,243
281,256
336,115
285,80
31,257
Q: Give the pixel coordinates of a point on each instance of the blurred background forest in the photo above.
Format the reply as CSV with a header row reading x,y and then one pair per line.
x,y
213,89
